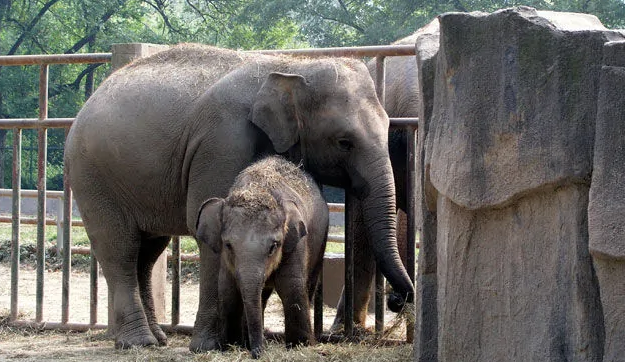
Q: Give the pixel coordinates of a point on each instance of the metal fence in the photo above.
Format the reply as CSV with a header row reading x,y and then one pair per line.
x,y
43,123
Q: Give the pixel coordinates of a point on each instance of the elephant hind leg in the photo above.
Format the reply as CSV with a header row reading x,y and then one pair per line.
x,y
117,250
151,248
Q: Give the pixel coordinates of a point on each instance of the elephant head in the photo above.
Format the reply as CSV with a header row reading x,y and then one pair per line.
x,y
327,116
252,235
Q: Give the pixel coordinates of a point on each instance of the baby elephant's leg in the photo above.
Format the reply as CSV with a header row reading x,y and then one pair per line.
x,y
292,289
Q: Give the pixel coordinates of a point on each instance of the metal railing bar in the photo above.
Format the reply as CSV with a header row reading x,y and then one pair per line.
x,y
411,212
348,288
67,245
32,193
175,284
15,221
84,58
93,288
30,123
361,51
33,221
380,82
404,122
42,142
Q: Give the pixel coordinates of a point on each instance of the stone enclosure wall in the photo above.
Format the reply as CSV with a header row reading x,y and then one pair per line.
x,y
522,140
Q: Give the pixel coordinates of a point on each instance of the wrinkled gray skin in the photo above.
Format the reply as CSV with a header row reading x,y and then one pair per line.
x,y
271,234
166,133
401,100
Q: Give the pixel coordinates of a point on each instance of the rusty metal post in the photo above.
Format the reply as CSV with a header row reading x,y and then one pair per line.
x,y
350,214
67,243
93,289
175,283
318,304
411,205
380,82
42,156
15,225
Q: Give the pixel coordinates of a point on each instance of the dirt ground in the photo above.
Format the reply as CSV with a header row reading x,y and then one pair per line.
x,y
27,344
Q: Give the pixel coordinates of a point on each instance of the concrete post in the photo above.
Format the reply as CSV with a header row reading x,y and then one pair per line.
x,y
124,54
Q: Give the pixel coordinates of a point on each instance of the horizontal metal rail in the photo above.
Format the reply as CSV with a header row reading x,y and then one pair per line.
x,y
40,59
34,123
362,51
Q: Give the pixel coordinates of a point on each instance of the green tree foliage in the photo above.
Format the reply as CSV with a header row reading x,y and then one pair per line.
x,y
72,26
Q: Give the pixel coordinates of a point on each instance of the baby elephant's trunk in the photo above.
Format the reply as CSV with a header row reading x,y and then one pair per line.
x,y
251,282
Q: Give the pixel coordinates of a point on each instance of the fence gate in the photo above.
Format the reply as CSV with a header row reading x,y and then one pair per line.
x,y
121,55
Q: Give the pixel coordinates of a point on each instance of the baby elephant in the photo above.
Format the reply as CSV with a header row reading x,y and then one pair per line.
x,y
271,232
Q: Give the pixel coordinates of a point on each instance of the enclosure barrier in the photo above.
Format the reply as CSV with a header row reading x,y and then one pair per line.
x,y
43,122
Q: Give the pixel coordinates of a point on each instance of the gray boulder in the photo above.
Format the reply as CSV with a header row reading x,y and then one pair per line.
x,y
606,210
426,321
508,157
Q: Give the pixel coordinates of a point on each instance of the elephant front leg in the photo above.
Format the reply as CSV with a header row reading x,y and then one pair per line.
x,y
207,334
297,325
364,272
233,325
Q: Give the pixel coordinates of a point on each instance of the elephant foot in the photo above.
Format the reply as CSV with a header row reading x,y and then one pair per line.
x,y
256,352
142,340
199,345
158,333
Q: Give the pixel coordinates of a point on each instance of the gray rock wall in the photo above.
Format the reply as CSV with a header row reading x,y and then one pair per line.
x,y
606,211
508,155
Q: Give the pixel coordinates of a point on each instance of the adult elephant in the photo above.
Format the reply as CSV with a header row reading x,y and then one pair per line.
x,y
167,132
402,100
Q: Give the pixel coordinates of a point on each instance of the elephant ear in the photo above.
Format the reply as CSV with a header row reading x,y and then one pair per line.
x,y
296,226
208,223
275,110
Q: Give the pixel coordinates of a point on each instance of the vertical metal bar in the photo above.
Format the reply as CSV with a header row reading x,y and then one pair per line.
x,y
67,246
93,290
175,284
349,264
15,218
59,224
380,82
411,214
42,156
318,305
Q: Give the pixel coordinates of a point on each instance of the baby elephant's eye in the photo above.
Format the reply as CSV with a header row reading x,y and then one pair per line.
x,y
229,246
274,246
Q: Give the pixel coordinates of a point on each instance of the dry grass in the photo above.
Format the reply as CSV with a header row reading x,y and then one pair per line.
x,y
27,344
32,345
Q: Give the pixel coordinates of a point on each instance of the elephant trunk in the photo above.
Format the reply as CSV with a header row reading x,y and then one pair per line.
x,y
379,217
251,283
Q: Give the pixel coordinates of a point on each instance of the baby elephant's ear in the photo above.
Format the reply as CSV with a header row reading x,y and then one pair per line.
x,y
208,225
296,226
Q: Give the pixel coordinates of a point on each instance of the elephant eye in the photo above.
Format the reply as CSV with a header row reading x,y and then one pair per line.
x,y
274,246
228,246
345,144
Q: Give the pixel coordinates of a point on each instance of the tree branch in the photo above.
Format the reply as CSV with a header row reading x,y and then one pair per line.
x,y
458,5
28,30
160,8
95,29
55,91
